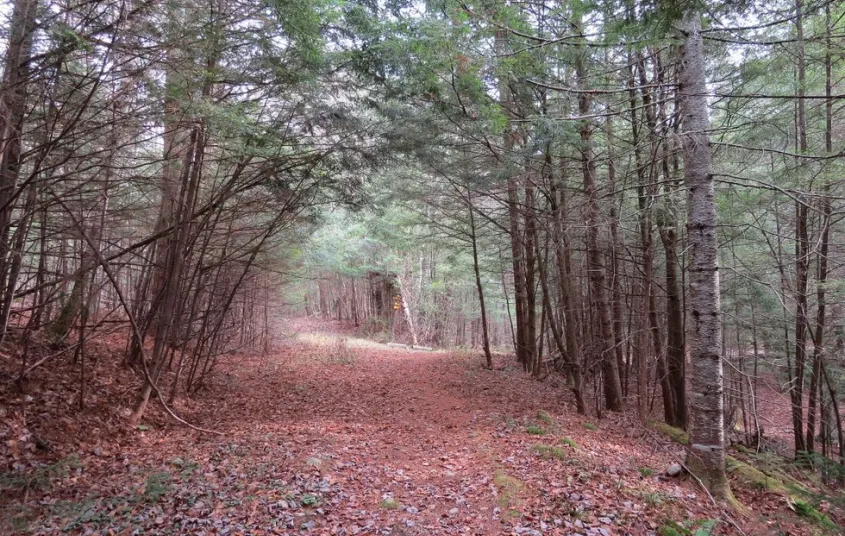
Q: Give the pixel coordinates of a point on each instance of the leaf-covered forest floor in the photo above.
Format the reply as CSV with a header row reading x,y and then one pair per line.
x,y
330,435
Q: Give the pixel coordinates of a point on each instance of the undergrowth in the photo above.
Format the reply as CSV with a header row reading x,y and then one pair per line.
x,y
569,442
534,429
768,474
41,478
549,452
508,489
340,353
157,486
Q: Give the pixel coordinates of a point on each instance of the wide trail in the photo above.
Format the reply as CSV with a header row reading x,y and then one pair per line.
x,y
333,435
362,438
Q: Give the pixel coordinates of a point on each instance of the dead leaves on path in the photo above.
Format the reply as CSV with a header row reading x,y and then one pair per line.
x,y
388,443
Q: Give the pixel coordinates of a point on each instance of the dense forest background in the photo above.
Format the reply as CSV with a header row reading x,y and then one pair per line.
x,y
530,178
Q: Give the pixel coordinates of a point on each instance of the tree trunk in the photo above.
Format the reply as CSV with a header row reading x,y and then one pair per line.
x,y
485,341
517,248
645,196
567,299
818,336
406,308
706,457
531,353
595,262
667,229
13,93
802,253
822,261
613,253
520,292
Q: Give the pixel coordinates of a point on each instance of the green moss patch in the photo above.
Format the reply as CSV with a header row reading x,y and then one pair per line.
x,y
569,442
533,429
806,510
753,477
675,434
390,504
548,452
770,481
508,489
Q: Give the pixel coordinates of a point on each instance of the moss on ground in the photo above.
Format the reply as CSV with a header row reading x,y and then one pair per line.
x,y
548,452
569,442
806,510
508,489
545,417
390,504
772,482
675,434
533,429
753,477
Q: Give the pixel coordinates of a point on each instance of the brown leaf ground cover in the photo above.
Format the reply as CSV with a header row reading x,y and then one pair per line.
x,y
331,435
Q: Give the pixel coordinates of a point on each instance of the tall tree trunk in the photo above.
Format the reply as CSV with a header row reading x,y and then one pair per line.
x,y
649,184
517,248
485,338
568,300
532,355
614,247
645,196
706,458
667,229
802,251
818,337
13,93
595,262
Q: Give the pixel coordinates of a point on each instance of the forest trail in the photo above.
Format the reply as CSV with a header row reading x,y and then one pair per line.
x,y
332,435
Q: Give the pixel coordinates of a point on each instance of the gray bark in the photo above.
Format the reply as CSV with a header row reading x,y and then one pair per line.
x,y
706,457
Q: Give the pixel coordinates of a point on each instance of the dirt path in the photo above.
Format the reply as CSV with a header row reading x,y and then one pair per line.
x,y
403,440
330,436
